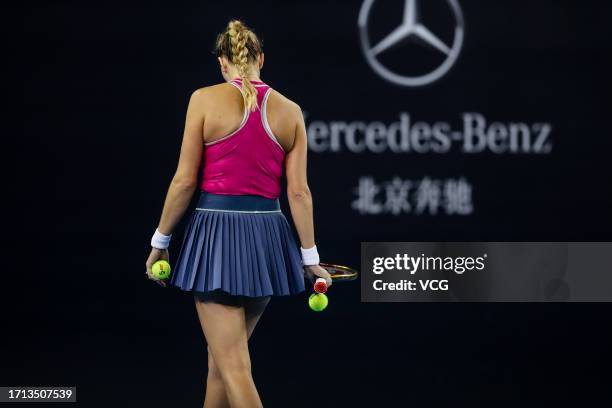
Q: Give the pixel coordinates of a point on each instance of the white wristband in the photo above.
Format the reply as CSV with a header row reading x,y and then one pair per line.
x,y
310,256
159,240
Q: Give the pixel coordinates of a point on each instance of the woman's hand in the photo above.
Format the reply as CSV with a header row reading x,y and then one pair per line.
x,y
312,272
156,255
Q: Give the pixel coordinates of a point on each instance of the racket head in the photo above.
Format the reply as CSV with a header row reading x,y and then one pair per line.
x,y
340,273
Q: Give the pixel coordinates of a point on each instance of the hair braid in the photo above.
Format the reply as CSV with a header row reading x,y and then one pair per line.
x,y
239,35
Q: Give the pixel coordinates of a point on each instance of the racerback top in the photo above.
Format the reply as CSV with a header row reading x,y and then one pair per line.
x,y
248,161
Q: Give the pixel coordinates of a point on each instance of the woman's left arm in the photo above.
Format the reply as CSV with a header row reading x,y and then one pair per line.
x,y
183,184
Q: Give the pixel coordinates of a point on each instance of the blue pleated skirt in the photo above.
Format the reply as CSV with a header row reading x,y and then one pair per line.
x,y
241,245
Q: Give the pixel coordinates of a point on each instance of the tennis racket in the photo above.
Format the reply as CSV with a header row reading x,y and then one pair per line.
x,y
338,273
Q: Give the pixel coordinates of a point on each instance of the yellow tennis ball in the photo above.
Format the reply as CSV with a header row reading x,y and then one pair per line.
x,y
318,302
161,269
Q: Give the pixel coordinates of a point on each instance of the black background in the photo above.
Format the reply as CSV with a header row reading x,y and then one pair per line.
x,y
105,88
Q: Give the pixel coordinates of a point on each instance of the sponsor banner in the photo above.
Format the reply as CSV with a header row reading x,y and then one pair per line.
x,y
424,196
474,135
405,136
411,29
486,271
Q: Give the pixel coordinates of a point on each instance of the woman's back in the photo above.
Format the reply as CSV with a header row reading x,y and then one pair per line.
x,y
245,150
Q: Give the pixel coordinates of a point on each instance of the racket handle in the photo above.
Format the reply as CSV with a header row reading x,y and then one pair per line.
x,y
320,285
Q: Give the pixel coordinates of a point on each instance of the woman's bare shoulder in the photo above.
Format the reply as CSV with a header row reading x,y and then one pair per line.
x,y
283,103
213,90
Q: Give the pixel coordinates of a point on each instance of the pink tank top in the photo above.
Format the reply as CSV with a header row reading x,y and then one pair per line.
x,y
248,160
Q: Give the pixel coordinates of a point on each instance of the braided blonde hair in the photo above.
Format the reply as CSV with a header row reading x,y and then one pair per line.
x,y
241,46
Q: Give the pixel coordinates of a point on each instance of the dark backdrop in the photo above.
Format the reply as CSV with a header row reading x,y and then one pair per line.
x,y
105,88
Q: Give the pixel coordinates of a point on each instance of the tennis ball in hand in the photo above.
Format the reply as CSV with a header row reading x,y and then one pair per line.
x,y
318,302
161,269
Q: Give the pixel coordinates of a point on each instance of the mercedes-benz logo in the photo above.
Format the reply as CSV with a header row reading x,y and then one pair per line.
x,y
411,28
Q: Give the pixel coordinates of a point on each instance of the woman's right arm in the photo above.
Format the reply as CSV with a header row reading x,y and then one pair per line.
x,y
298,193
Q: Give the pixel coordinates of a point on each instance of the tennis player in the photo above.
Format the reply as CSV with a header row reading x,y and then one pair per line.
x,y
238,249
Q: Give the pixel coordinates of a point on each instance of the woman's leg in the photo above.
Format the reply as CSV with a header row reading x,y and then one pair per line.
x,y
229,379
215,395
